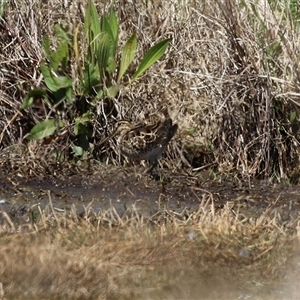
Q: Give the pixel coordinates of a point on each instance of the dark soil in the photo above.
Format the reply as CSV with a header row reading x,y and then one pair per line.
x,y
125,189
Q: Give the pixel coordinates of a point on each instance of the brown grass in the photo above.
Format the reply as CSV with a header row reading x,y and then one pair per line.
x,y
103,256
230,79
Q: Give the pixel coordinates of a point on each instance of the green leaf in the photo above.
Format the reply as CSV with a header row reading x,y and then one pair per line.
x,y
29,99
113,90
44,129
47,76
62,94
2,4
113,24
79,128
152,56
61,34
59,82
60,56
46,46
103,54
109,24
111,65
81,122
102,36
127,56
91,78
69,94
91,26
54,83
91,21
78,151
190,131
100,95
86,117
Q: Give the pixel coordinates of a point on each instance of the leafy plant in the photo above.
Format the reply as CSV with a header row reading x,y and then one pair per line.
x,y
2,4
44,129
99,73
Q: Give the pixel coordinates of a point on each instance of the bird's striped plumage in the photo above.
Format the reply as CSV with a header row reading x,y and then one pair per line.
x,y
146,140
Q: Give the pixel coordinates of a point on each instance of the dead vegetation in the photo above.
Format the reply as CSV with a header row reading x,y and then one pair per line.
x,y
230,79
103,256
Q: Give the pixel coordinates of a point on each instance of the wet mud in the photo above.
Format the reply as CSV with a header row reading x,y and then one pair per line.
x,y
127,189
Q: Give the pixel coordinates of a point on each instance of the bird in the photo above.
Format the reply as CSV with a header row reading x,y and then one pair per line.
x,y
146,140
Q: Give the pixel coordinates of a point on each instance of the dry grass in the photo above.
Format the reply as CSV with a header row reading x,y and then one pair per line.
x,y
230,79
103,256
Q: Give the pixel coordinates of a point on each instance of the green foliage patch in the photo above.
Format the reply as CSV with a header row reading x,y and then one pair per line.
x,y
99,74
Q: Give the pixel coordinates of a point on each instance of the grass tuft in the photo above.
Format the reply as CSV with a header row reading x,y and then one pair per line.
x,y
169,255
230,79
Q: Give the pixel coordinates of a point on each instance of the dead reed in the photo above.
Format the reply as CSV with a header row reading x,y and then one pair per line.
x,y
103,255
230,79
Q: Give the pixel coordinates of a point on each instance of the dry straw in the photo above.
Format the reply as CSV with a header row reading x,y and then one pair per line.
x,y
60,253
230,77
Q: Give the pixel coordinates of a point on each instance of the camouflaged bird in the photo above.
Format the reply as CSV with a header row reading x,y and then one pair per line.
x,y
146,140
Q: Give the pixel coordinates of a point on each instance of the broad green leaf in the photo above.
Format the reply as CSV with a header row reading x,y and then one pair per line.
x,y
29,99
69,94
48,77
106,31
85,118
103,54
61,34
60,56
62,94
113,90
100,95
91,78
152,56
92,31
52,82
111,65
81,122
114,26
127,56
78,151
58,83
44,129
109,24
91,23
46,46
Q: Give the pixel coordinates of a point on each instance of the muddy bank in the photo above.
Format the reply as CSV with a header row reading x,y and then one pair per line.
x,y
126,190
